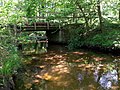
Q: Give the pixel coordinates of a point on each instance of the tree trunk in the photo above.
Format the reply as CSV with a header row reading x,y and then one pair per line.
x,y
99,15
82,11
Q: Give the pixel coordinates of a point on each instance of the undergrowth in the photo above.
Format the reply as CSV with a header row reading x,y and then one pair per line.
x,y
109,39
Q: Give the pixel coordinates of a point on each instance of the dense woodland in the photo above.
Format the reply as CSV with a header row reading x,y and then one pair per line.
x,y
100,21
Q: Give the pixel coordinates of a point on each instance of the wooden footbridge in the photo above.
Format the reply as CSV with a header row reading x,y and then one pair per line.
x,y
41,24
54,28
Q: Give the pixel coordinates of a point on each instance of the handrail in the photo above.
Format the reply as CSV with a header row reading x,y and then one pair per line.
x,y
60,20
38,17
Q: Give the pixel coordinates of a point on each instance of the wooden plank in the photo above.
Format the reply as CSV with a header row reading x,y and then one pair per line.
x,y
42,41
38,17
39,27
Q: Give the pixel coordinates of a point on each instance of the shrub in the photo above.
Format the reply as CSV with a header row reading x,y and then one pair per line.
x,y
76,38
9,60
106,39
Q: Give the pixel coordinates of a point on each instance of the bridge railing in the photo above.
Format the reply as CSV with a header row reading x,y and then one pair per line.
x,y
40,22
45,22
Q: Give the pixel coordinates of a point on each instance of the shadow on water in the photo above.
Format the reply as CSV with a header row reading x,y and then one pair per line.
x,y
60,69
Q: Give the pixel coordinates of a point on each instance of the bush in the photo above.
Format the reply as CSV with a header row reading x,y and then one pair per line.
x,y
76,39
10,63
107,39
9,60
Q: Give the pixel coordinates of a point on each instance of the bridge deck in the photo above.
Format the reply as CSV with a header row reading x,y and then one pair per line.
x,y
40,27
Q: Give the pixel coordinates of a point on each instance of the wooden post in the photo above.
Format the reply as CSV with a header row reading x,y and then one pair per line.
x,y
48,26
59,24
35,25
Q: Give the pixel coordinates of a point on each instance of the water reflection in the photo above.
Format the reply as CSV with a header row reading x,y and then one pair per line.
x,y
80,77
106,79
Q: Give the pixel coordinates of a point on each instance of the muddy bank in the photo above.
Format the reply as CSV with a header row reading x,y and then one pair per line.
x,y
109,50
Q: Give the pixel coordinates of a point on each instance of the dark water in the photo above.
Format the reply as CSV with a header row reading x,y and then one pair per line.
x,y
60,69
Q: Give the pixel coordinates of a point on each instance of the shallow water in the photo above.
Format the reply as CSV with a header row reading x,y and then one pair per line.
x,y
60,69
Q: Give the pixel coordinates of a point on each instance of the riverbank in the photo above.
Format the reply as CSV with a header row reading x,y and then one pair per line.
x,y
105,41
109,41
10,62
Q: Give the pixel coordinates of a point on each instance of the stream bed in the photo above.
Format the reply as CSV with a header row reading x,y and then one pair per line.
x,y
61,69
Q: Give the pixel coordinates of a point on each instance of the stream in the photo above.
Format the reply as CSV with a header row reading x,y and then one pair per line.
x,y
60,69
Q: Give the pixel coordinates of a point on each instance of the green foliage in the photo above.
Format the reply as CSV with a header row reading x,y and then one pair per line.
x,y
23,38
9,56
11,13
76,38
30,7
110,26
106,39
11,63
110,9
